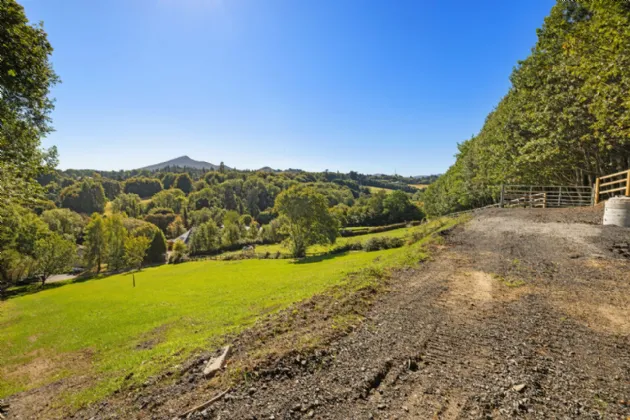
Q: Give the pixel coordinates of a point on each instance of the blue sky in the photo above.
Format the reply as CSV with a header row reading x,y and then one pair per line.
x,y
375,86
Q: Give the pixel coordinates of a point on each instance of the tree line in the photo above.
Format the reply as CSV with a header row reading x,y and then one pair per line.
x,y
565,119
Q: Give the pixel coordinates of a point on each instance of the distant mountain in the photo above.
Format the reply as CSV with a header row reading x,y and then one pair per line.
x,y
183,162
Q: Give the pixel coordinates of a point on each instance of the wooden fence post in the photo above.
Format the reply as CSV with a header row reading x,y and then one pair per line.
x,y
628,184
597,181
502,195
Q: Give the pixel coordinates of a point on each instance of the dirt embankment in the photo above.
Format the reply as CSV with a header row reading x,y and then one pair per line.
x,y
520,314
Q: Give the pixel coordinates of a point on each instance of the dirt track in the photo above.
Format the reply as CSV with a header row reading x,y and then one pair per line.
x,y
514,318
521,313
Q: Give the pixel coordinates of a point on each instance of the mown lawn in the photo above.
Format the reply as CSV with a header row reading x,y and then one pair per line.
x,y
106,328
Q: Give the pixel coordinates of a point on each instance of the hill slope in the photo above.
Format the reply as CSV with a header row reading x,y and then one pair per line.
x,y
182,162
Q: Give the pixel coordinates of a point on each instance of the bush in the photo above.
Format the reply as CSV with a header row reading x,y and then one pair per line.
x,y
376,244
144,187
179,254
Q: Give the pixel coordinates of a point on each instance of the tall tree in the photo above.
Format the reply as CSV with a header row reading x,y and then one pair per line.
x,y
306,219
135,250
184,183
116,238
54,255
26,77
95,251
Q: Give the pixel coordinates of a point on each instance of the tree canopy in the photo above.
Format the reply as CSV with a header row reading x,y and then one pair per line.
x,y
307,220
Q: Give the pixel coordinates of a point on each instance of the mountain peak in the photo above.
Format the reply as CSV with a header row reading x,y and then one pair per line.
x,y
182,162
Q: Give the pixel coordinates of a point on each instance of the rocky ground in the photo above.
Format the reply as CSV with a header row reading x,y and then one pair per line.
x,y
521,313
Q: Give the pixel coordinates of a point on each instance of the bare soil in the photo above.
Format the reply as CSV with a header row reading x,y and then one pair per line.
x,y
521,313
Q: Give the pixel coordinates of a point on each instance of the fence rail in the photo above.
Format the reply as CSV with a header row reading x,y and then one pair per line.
x,y
606,186
545,196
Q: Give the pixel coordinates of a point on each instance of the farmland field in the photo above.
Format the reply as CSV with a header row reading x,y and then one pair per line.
x,y
377,189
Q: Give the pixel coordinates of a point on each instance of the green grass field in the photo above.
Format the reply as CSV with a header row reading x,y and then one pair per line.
x,y
105,329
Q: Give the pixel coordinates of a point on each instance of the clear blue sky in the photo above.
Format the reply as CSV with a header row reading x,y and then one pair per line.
x,y
373,86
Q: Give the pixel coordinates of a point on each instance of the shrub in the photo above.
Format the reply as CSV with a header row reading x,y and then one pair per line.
x,y
144,187
179,254
376,244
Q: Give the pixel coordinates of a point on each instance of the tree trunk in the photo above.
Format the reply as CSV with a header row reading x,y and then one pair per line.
x,y
44,279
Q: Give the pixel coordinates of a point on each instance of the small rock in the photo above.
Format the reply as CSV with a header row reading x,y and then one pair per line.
x,y
405,408
518,388
310,414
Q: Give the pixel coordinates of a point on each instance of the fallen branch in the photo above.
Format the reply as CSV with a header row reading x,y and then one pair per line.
x,y
204,405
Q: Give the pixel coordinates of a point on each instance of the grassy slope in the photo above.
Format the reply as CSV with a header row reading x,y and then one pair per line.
x,y
180,306
106,329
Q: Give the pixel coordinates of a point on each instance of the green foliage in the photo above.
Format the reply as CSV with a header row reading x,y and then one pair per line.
x,y
136,248
64,222
161,218
231,234
205,238
26,77
143,186
53,255
168,179
245,220
184,183
566,118
176,228
174,199
95,247
179,253
111,187
85,197
306,219
382,242
116,236
156,253
130,204
19,232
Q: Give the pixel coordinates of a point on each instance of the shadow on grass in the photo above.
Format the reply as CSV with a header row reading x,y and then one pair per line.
x,y
31,286
320,258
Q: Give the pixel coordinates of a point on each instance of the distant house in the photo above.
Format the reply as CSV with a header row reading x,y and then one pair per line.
x,y
184,237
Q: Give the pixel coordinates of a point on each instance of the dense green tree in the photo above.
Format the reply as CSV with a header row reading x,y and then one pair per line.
x,y
168,179
184,183
53,255
136,248
111,187
179,254
130,204
566,118
176,228
399,208
161,218
306,219
95,250
64,222
205,238
116,236
156,253
174,199
85,197
26,77
143,186
19,233
231,234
